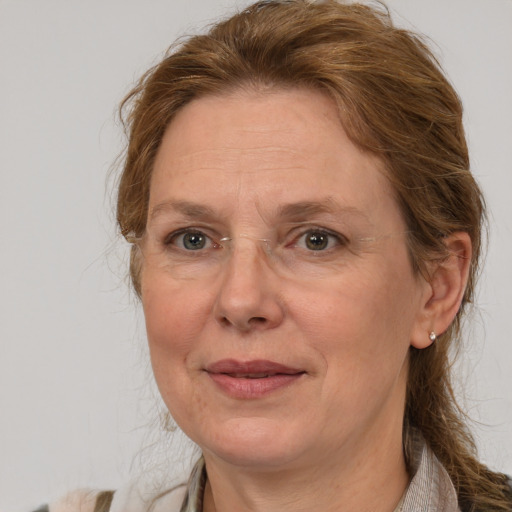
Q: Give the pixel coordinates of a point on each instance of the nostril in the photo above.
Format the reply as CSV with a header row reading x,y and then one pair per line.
x,y
257,320
225,321
247,325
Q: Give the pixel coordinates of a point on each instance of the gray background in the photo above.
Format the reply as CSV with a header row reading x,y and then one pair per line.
x,y
76,403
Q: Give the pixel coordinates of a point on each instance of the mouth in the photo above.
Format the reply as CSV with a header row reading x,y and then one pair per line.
x,y
251,375
252,379
257,369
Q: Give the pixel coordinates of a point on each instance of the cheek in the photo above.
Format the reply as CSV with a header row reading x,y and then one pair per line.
x,y
362,325
175,314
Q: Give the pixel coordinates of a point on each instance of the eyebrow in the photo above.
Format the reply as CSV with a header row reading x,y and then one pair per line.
x,y
306,209
186,208
301,210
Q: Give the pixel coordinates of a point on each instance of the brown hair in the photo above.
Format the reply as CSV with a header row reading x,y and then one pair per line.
x,y
393,101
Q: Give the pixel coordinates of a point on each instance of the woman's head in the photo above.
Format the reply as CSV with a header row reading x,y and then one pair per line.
x,y
394,104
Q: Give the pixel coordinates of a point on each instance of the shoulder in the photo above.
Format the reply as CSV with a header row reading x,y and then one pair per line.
x,y
128,499
82,500
133,498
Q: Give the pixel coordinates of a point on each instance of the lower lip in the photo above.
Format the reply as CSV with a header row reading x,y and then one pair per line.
x,y
253,388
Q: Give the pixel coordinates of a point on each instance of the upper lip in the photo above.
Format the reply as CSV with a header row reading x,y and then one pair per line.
x,y
258,367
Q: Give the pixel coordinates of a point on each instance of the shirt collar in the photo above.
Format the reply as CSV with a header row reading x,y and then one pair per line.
x,y
430,488
193,501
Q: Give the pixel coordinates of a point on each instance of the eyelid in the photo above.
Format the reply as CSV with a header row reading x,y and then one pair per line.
x,y
340,238
170,238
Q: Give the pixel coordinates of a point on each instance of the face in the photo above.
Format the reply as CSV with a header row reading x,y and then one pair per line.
x,y
279,297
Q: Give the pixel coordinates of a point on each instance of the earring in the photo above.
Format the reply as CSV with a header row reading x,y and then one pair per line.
x,y
432,336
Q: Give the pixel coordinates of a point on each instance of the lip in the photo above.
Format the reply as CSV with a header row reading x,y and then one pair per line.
x,y
252,379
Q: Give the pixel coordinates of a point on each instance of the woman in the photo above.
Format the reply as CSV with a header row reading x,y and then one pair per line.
x,y
306,237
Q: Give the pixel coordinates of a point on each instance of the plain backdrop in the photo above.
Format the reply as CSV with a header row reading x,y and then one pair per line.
x,y
76,404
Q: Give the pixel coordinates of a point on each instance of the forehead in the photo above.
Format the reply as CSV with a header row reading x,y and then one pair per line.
x,y
283,146
272,123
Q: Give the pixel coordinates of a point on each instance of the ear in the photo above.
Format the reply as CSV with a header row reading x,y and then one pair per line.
x,y
444,290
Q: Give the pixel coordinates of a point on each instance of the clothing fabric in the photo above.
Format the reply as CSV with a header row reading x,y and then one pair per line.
x,y
430,490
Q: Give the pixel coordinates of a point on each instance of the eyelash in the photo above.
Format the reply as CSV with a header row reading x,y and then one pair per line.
x,y
339,239
170,239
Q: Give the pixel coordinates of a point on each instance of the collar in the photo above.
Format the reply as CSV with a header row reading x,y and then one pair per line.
x,y
193,501
430,488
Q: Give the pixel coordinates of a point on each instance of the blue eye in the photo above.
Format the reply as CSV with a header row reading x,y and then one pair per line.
x,y
190,240
194,241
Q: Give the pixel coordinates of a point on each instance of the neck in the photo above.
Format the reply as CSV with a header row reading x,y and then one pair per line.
x,y
365,478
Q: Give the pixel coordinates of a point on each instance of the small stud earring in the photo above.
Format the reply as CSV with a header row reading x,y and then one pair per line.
x,y
432,336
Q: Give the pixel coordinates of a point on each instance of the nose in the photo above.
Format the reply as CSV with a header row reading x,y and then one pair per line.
x,y
248,297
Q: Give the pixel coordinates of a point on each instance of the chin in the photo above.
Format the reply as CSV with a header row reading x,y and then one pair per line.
x,y
251,442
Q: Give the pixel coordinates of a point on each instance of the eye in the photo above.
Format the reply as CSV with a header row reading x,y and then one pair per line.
x,y
189,240
318,240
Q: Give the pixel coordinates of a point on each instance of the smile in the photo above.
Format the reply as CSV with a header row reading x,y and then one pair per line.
x,y
250,375
251,379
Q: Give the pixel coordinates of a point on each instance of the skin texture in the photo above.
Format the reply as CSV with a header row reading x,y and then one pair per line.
x,y
344,316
